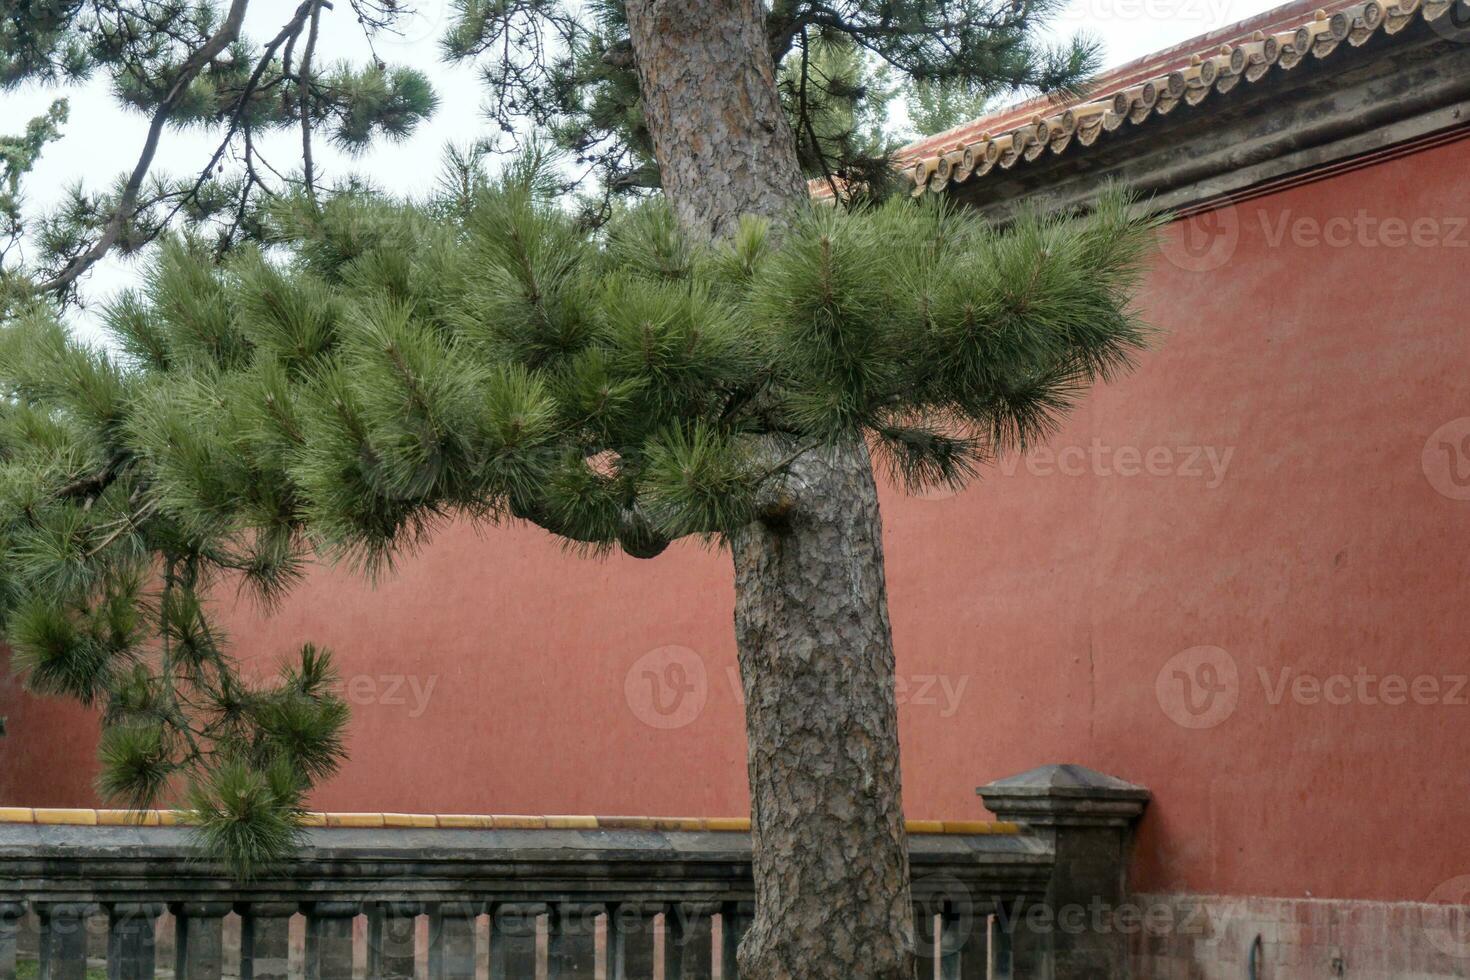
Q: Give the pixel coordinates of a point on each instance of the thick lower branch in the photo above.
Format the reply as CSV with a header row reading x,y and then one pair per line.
x,y
634,534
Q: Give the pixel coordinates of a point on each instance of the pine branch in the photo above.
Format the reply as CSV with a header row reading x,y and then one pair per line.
x,y
304,81
228,31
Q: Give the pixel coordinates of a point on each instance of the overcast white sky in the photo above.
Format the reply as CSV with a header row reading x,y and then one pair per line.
x,y
101,140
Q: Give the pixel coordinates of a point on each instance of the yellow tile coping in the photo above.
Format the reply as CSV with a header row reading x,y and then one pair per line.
x,y
463,821
409,820
354,819
70,817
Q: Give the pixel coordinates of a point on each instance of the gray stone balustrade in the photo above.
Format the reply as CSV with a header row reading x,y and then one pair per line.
x,y
563,903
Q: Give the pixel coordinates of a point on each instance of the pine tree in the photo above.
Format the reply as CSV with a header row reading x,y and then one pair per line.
x,y
387,369
183,63
935,107
726,362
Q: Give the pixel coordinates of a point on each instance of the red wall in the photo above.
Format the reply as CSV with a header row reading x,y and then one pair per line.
x,y
1056,599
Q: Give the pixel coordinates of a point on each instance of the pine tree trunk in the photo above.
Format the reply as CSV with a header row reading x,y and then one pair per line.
x,y
708,91
816,661
811,608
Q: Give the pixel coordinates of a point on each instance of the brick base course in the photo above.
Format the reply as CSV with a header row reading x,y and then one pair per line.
x,y
1210,937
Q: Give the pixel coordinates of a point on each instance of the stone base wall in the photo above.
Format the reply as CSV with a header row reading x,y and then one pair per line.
x,y
1211,937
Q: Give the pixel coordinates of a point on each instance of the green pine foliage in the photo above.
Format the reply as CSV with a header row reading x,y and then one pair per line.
x,y
381,369
935,107
113,557
554,70
18,155
185,64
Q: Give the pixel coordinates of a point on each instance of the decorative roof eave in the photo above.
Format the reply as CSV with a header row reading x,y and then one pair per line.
x,y
1219,69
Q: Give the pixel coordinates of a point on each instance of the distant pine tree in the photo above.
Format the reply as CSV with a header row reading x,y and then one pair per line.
x,y
938,106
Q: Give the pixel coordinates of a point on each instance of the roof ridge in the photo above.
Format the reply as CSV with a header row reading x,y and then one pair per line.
x,y
1120,76
972,150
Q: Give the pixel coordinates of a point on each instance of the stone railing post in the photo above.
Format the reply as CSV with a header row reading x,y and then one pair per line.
x,y
630,940
963,943
513,940
63,940
735,919
199,949
392,940
130,945
265,940
453,945
689,940
329,940
10,915
572,941
1089,819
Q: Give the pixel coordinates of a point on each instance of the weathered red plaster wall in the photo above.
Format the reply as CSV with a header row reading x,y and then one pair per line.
x,y
1034,615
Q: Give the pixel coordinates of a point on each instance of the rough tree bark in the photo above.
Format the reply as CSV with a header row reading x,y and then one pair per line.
x,y
708,90
816,662
811,608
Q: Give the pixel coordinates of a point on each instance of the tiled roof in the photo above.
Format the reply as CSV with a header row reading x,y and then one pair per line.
x,y
463,821
1176,79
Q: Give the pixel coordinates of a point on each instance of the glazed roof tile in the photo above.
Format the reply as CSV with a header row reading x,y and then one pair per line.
x,y
1178,79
